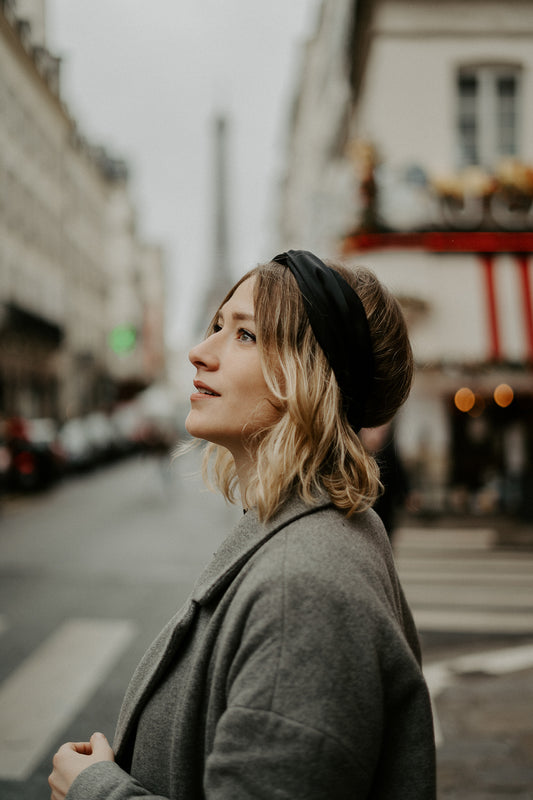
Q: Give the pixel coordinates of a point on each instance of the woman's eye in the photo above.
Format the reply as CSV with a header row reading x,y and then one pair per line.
x,y
246,336
217,327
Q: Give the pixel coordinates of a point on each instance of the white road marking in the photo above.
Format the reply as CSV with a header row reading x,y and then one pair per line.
x,y
441,674
471,596
494,662
461,620
423,577
455,538
464,563
455,580
41,697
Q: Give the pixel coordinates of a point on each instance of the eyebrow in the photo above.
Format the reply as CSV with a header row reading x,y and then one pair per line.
x,y
242,316
238,316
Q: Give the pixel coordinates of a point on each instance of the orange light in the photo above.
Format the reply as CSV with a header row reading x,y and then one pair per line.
x,y
503,395
464,399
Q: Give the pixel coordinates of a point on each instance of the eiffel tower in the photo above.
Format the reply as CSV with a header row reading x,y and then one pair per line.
x,y
220,280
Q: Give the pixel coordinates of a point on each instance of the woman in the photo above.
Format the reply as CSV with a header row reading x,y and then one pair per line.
x,y
293,671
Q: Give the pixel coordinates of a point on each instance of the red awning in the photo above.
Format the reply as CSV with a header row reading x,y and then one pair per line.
x,y
443,242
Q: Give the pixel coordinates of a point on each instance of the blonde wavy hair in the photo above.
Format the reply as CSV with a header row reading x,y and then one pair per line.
x,y
311,446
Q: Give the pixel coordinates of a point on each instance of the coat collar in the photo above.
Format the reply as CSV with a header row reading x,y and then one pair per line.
x,y
247,537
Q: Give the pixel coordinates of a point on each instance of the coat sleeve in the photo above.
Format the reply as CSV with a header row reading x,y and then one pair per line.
x,y
106,780
261,754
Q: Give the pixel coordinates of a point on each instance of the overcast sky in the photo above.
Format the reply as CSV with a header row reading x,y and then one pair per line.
x,y
146,80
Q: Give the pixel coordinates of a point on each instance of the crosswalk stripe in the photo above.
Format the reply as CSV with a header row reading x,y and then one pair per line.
x,y
410,575
460,620
461,563
454,538
41,697
466,559
457,581
468,595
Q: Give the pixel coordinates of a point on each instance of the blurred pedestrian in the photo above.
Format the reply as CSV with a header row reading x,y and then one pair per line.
x,y
381,444
294,668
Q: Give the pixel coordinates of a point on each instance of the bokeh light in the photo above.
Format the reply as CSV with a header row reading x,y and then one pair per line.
x,y
464,399
503,395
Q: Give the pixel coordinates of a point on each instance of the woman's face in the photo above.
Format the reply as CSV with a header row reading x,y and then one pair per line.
x,y
232,400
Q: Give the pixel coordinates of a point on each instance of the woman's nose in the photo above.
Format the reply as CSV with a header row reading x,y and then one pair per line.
x,y
203,355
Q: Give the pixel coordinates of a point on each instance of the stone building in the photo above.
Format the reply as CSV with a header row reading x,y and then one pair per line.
x,y
410,151
73,269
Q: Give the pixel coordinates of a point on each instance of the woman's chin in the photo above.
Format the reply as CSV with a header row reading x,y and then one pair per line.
x,y
195,428
190,427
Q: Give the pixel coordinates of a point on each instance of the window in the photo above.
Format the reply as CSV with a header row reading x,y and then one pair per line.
x,y
488,108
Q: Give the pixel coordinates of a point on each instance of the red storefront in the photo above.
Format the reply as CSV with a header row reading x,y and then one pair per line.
x,y
491,440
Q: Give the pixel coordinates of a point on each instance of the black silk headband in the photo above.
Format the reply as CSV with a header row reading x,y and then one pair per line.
x,y
338,320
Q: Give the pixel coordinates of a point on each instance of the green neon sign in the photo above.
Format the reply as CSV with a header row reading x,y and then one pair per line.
x,y
123,339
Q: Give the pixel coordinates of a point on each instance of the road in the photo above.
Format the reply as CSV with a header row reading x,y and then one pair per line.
x,y
91,571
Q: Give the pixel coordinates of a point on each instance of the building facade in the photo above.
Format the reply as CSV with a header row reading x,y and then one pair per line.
x,y
72,266
411,152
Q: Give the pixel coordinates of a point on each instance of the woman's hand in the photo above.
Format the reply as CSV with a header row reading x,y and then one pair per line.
x,y
72,758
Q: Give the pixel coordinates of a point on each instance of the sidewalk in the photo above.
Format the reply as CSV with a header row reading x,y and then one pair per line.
x,y
486,730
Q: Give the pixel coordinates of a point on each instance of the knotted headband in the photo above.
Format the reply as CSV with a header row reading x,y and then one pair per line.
x,y
338,321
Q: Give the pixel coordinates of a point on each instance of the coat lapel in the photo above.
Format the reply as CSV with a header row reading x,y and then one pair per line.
x,y
151,667
246,538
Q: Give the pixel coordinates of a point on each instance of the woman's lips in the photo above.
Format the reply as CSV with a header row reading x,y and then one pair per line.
x,y
203,390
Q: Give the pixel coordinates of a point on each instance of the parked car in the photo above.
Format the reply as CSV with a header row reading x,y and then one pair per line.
x,y
128,421
103,436
77,445
5,464
36,457
159,410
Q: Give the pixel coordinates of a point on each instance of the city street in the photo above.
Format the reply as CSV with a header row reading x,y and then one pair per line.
x,y
92,570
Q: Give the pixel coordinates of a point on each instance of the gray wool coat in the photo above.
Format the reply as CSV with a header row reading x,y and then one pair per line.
x,y
293,671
